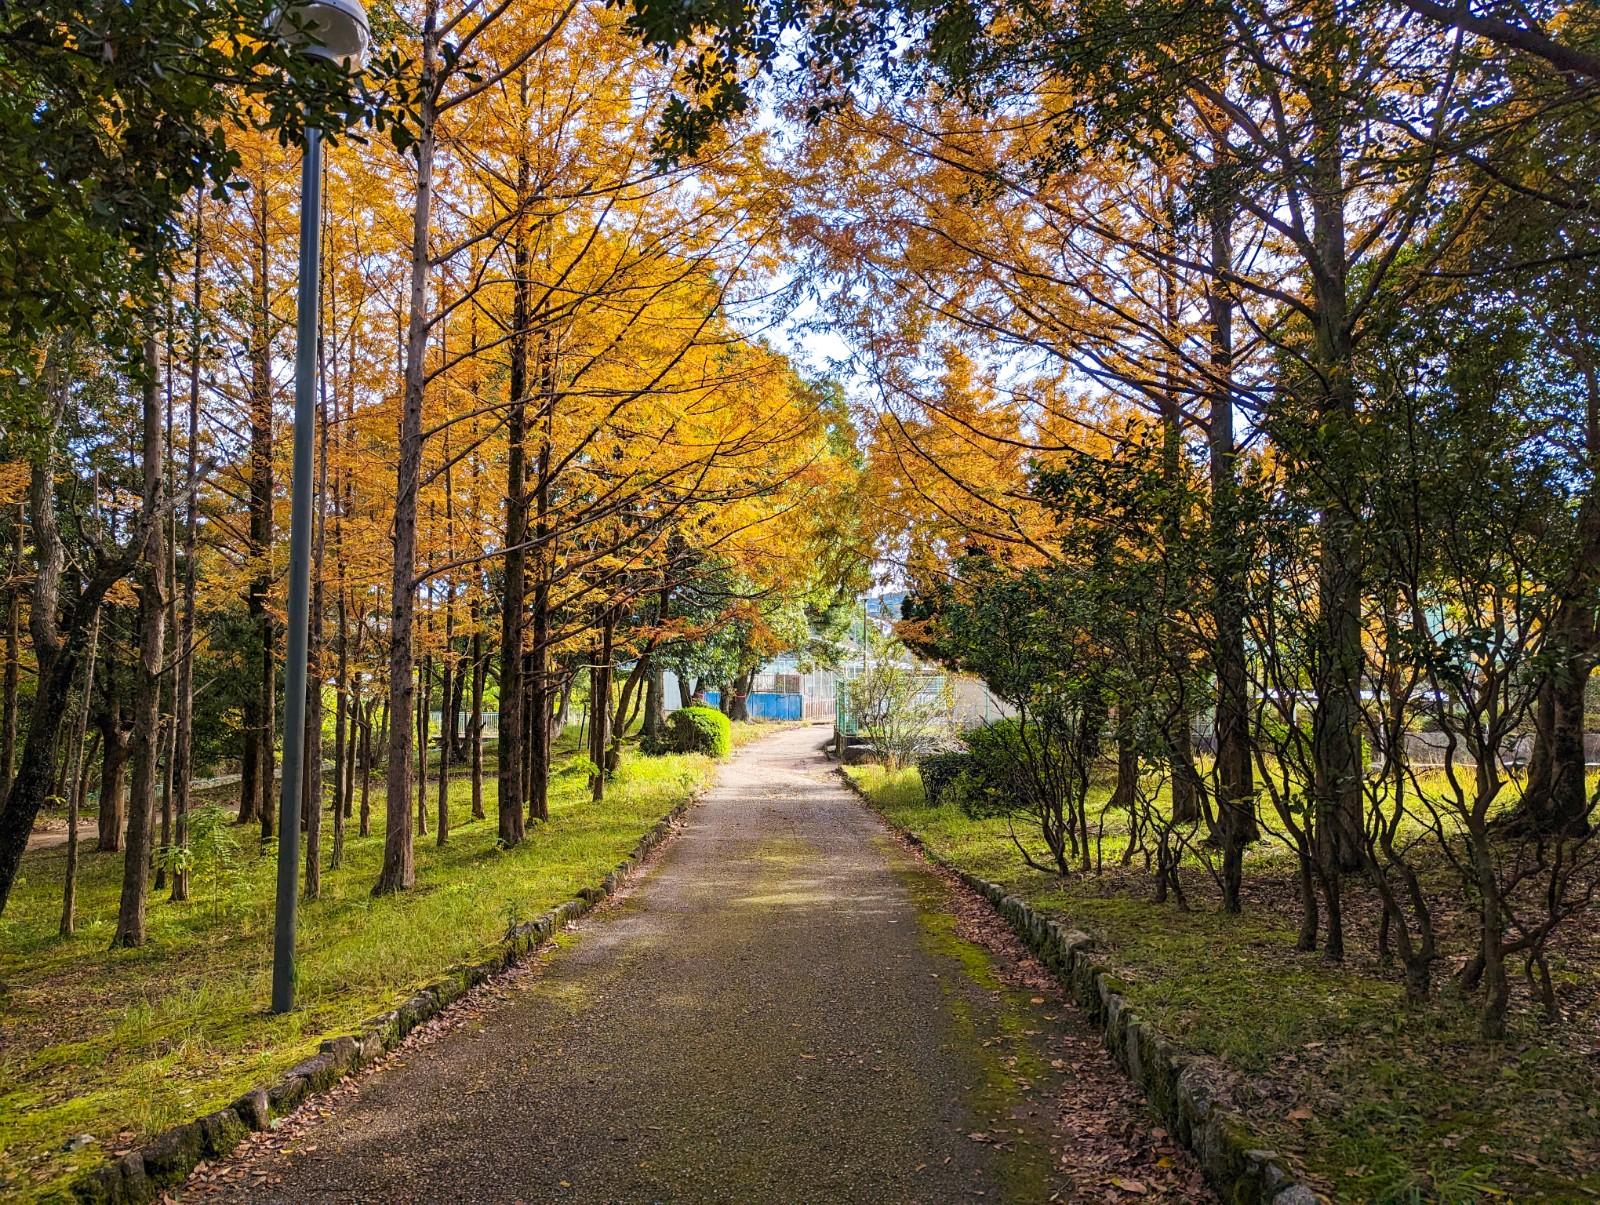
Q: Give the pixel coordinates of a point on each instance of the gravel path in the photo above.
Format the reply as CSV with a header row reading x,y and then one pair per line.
x,y
787,1008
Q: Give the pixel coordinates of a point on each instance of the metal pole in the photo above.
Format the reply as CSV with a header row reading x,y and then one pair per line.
x,y
294,710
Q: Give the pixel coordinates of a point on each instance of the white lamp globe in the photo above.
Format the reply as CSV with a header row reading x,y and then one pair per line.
x,y
335,30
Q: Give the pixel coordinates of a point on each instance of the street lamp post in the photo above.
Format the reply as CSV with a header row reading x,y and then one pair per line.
x,y
336,31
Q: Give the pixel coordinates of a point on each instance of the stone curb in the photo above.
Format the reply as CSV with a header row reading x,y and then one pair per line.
x,y
1175,1083
168,1158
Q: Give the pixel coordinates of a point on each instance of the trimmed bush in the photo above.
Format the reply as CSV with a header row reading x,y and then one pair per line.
x,y
700,730
993,780
938,771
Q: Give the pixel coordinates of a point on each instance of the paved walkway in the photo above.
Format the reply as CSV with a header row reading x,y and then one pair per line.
x,y
782,1011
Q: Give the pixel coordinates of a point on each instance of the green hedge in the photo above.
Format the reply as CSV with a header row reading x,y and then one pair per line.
x,y
700,730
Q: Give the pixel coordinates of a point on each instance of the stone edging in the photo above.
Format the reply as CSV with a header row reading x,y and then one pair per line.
x,y
1175,1083
168,1158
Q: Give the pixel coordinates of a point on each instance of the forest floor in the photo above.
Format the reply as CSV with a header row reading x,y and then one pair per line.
x,y
1370,1099
119,1045
788,1006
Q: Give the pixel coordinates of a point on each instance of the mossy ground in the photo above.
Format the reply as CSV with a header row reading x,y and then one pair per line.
x,y
99,1042
1001,1036
1374,1100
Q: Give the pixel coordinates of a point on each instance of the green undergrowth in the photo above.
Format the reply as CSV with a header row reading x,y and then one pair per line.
x,y
134,1041
1372,1099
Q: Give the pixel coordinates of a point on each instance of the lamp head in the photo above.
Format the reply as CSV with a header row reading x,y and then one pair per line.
x,y
334,30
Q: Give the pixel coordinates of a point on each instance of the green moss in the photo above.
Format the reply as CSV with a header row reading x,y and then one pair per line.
x,y
998,1035
144,1039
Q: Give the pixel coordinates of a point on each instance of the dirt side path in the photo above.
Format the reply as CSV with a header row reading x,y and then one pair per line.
x,y
788,1008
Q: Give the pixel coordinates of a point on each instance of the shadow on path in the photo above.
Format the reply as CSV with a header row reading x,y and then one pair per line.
x,y
782,1010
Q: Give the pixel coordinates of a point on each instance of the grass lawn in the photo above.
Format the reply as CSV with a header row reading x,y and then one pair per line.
x,y
1375,1101
100,1043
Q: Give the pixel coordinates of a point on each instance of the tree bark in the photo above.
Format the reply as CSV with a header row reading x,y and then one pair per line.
x,y
424,723
600,708
256,801
8,707
480,667
1556,800
78,784
511,751
152,630
399,868
311,767
1336,742
114,751
1236,817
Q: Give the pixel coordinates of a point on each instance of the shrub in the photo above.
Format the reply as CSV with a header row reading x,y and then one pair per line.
x,y
897,713
939,771
992,779
700,730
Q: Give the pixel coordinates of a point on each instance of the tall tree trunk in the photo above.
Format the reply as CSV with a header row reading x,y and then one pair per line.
x,y
424,707
114,750
399,868
311,767
78,784
480,667
1236,818
1336,743
1556,800
544,562
169,733
13,621
256,796
183,739
365,820
511,747
1187,804
447,676
152,630
341,736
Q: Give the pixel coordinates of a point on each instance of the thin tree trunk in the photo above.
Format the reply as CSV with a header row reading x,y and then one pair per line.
x,y
114,750
341,738
365,823
480,668
152,628
447,725
511,746
601,707
311,767
256,801
1336,744
424,705
183,739
447,677
169,735
8,708
399,867
79,785
1235,777
544,559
